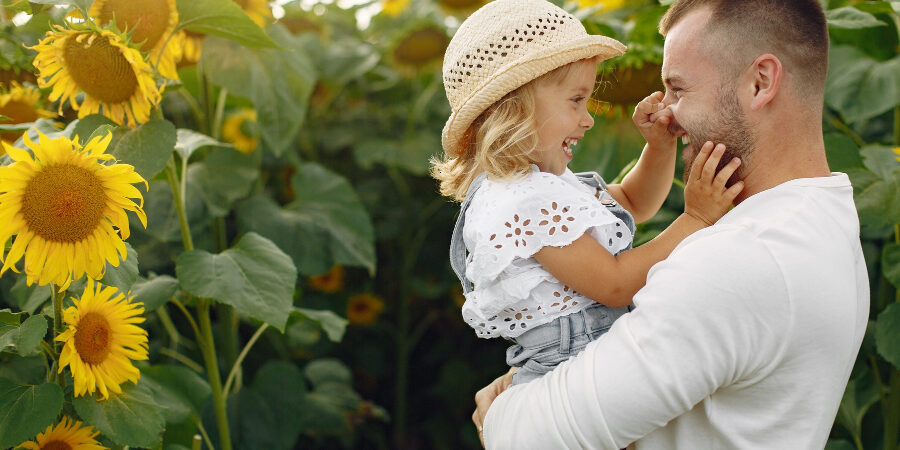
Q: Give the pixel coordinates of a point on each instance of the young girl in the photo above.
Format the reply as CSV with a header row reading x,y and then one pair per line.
x,y
546,266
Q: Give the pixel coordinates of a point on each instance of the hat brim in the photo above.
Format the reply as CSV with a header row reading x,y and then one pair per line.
x,y
518,73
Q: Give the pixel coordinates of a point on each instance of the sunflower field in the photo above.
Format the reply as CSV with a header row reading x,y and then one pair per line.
x,y
219,229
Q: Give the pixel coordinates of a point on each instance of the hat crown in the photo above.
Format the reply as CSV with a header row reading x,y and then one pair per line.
x,y
497,36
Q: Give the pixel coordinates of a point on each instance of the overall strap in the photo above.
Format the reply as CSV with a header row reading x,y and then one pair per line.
x,y
458,254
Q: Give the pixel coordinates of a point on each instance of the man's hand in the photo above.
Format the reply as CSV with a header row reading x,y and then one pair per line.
x,y
486,396
652,119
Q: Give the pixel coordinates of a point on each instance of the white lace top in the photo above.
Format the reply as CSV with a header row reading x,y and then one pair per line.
x,y
507,222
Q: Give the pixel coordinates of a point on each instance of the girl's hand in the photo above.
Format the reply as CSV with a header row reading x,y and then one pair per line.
x,y
652,119
705,195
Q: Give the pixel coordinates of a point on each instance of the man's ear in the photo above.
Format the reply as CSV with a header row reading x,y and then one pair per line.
x,y
766,72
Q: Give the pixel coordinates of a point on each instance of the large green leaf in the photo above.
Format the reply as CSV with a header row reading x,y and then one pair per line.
x,y
859,396
409,154
225,176
858,86
842,152
890,263
850,17
887,334
278,82
29,298
147,147
325,225
221,18
85,127
179,390
326,406
333,324
131,418
254,276
123,276
154,292
877,190
25,411
340,61
26,337
330,202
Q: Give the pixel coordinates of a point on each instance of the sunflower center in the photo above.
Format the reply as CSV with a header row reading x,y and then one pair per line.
x,y
63,203
100,69
56,445
92,338
421,46
148,18
19,111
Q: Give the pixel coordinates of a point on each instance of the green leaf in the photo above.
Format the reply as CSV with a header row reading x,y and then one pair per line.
x,y
342,60
10,318
25,411
887,334
858,86
877,190
225,176
890,263
179,390
333,324
223,18
131,418
411,155
154,292
123,276
842,152
29,298
296,234
328,370
30,334
147,147
188,141
850,17
278,82
834,444
330,202
87,126
254,276
859,396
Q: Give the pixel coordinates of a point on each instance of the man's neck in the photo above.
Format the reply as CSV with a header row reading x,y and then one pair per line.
x,y
776,160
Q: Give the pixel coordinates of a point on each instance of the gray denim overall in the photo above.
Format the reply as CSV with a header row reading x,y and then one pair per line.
x,y
542,348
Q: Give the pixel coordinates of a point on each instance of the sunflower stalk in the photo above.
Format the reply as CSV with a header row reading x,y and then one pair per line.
x,y
212,373
178,197
220,113
240,359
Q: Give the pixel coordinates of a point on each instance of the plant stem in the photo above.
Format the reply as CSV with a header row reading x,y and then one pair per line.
x,y
240,358
212,373
57,299
178,198
220,111
169,326
841,126
182,359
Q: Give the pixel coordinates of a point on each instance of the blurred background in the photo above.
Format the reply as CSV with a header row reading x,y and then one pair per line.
x,y
355,89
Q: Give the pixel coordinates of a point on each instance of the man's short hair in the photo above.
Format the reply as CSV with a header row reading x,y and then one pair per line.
x,y
740,30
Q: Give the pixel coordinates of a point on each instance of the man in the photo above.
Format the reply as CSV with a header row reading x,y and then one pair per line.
x,y
746,335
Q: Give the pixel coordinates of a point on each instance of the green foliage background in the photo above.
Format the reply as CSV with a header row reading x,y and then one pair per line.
x,y
347,120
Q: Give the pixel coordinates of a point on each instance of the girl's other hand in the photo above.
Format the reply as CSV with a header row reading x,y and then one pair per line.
x,y
652,118
705,195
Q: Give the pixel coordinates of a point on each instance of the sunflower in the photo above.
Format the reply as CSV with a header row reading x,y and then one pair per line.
x,y
63,205
101,340
100,63
330,282
68,435
608,5
458,7
421,46
258,10
21,104
364,309
152,23
240,130
897,152
393,8
192,46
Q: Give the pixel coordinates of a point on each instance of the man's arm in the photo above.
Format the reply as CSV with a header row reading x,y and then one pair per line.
x,y
716,312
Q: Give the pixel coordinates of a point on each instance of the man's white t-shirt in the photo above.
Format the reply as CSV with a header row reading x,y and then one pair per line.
x,y
743,338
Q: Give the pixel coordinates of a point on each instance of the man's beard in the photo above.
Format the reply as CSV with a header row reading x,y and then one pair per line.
x,y
727,126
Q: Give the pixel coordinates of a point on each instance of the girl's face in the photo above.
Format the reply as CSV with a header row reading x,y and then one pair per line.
x,y
562,115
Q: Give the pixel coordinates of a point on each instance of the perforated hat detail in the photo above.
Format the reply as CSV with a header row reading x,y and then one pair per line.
x,y
504,45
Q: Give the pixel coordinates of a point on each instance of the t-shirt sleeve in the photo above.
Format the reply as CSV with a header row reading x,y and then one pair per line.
x,y
715,313
518,219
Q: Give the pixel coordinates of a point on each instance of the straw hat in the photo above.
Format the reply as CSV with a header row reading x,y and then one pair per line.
x,y
504,45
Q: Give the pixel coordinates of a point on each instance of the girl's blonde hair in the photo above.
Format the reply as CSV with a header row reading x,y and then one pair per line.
x,y
501,142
